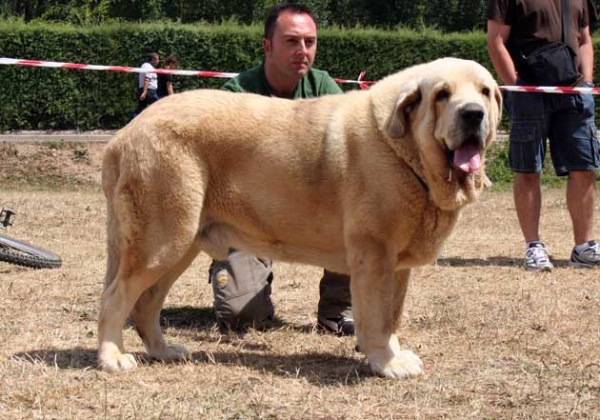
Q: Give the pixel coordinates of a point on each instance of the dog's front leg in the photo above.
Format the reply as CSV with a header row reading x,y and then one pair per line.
x,y
378,294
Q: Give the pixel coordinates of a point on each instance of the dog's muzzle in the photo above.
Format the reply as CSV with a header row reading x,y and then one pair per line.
x,y
467,156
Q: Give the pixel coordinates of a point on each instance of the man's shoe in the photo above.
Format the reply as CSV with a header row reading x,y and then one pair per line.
x,y
588,257
339,326
536,258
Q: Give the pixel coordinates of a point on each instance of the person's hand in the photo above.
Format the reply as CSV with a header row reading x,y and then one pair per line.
x,y
585,83
143,96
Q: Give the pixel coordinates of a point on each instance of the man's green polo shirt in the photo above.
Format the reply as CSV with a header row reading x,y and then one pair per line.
x,y
314,83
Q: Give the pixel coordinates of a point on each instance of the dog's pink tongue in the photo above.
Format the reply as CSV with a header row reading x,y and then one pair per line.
x,y
467,158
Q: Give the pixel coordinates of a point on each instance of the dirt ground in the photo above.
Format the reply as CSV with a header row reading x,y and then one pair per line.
x,y
51,164
497,342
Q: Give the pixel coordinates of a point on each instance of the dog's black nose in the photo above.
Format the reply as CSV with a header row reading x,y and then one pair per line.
x,y
472,114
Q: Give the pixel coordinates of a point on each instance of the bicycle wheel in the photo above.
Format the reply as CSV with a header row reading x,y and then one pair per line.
x,y
21,253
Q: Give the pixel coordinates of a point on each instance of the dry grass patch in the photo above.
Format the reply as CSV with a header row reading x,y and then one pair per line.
x,y
497,342
53,164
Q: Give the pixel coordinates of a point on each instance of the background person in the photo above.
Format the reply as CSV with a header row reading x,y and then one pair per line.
x,y
517,27
242,283
165,81
147,84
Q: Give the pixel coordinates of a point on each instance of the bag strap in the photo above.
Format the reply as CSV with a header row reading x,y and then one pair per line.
x,y
565,19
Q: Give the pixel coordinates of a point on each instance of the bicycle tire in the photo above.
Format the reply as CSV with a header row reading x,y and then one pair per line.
x,y
21,253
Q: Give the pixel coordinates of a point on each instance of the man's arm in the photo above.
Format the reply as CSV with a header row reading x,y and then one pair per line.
x,y
586,55
145,88
170,90
497,36
144,93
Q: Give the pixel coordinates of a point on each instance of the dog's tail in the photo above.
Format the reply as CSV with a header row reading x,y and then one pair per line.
x,y
110,178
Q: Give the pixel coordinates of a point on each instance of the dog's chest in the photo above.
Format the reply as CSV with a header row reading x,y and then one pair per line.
x,y
425,244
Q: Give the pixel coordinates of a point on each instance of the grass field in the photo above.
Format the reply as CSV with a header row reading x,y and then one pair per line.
x,y
497,342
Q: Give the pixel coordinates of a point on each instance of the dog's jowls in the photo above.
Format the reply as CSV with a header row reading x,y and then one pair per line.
x,y
368,183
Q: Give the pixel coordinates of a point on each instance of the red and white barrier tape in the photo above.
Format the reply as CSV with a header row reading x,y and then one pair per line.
x,y
363,84
552,89
56,64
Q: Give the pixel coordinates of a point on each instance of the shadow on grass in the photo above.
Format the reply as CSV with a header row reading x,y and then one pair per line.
x,y
491,262
203,319
188,317
77,358
318,368
321,369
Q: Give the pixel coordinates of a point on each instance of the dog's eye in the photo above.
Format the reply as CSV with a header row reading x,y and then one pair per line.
x,y
485,91
442,95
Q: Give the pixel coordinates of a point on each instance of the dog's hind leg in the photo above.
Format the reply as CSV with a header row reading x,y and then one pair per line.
x,y
146,313
117,302
151,234
139,291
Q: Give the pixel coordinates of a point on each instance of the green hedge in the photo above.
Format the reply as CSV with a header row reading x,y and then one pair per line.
x,y
46,98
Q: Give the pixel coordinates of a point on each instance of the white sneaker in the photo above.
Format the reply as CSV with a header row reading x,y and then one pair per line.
x,y
536,258
589,257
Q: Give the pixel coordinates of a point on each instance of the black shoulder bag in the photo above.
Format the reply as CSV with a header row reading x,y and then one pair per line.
x,y
552,64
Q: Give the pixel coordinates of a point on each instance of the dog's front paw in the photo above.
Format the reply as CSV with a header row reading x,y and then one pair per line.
x,y
404,365
118,363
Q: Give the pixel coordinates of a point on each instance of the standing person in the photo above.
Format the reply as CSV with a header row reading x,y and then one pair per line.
x,y
147,84
242,283
515,29
165,81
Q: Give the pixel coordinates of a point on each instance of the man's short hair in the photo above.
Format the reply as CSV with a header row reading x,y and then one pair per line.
x,y
151,56
278,9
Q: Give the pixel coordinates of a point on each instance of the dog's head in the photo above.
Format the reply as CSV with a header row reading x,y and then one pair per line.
x,y
447,112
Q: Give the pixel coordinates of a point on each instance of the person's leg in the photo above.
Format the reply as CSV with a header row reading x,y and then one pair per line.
x,y
528,203
527,150
242,291
141,104
581,192
575,151
335,304
152,97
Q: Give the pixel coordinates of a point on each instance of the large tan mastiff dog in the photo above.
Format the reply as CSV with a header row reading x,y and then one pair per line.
x,y
368,183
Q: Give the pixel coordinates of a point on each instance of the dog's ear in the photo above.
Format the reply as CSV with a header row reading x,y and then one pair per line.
x,y
409,98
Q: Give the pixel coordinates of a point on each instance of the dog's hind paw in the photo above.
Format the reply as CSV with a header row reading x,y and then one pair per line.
x,y
404,365
174,352
120,363
169,353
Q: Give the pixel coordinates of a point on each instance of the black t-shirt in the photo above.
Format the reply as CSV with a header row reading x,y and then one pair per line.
x,y
162,84
538,22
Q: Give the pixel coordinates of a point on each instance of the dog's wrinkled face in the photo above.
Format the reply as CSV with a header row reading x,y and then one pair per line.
x,y
465,114
450,109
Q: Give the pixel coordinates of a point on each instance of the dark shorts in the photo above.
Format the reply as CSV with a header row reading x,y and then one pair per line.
x,y
566,120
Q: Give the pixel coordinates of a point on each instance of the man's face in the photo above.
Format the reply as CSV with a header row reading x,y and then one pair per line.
x,y
294,45
155,61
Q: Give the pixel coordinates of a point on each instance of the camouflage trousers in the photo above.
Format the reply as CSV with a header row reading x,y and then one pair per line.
x,y
242,292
